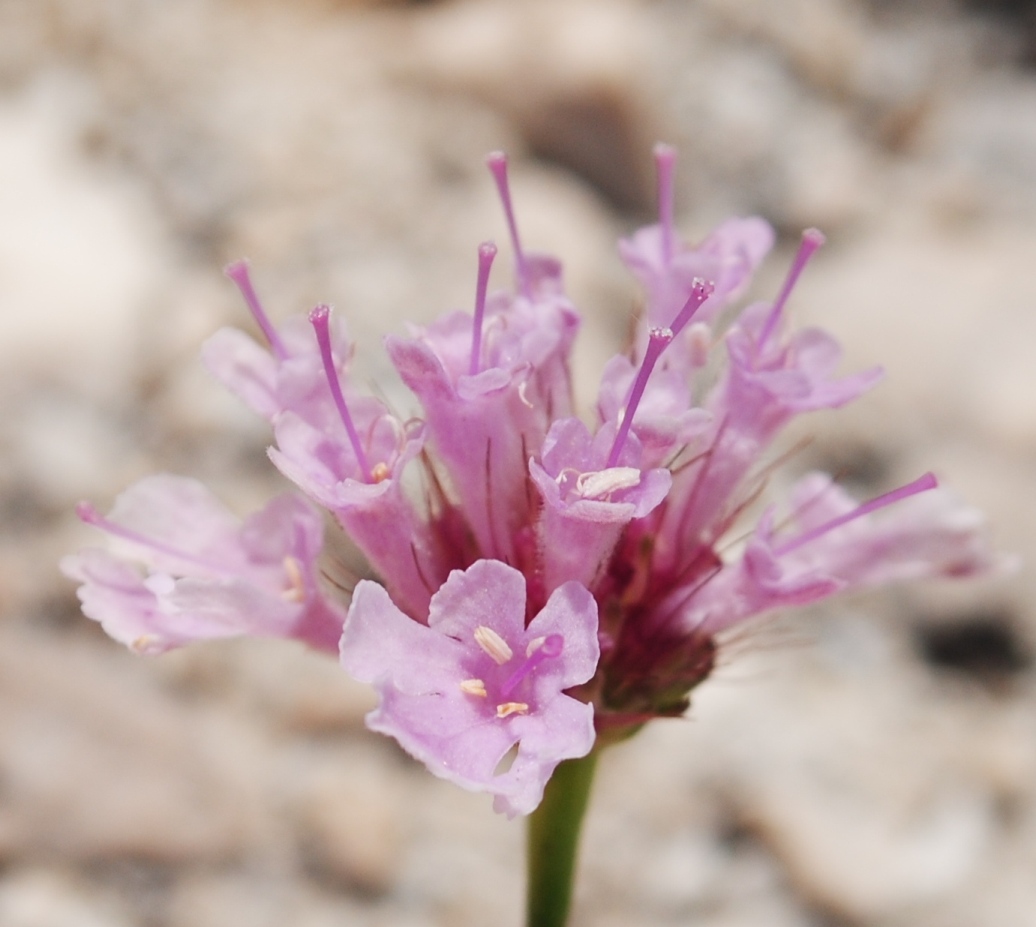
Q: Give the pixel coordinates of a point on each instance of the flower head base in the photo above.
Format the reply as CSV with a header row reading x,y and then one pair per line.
x,y
542,578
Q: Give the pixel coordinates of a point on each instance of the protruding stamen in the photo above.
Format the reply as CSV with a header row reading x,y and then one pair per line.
x,y
658,340
550,649
497,164
493,644
506,709
812,239
665,167
921,484
474,687
238,272
486,253
90,516
319,318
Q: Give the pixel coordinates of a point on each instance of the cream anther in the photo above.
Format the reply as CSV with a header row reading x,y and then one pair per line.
x,y
605,482
566,473
523,396
506,709
143,644
296,591
493,644
474,687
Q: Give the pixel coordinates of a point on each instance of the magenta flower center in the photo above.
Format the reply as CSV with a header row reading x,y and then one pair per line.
x,y
539,651
548,648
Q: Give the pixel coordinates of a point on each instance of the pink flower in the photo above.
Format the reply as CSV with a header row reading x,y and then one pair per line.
x,y
184,569
768,381
353,466
837,545
490,385
667,267
502,528
460,693
587,501
287,374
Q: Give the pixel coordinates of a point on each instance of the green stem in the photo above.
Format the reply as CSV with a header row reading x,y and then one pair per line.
x,y
553,839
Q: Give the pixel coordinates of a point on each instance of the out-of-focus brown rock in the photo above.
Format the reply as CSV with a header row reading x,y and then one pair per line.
x,y
95,763
350,823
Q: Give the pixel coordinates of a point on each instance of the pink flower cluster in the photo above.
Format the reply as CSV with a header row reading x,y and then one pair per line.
x,y
543,580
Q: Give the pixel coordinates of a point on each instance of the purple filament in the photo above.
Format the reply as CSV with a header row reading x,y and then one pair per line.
x,y
921,484
497,164
550,649
812,239
238,272
665,164
486,253
319,318
658,340
90,516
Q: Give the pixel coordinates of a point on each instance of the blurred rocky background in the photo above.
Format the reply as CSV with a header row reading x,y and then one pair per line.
x,y
872,763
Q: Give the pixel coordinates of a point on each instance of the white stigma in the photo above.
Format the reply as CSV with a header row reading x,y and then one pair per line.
x,y
493,644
